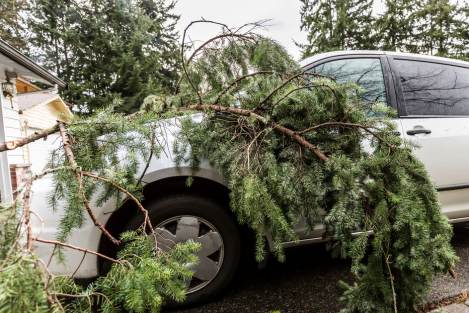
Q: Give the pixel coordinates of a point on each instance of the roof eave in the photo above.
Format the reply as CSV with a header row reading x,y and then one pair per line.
x,y
23,60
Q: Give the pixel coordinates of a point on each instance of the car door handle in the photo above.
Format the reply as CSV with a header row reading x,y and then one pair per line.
x,y
413,132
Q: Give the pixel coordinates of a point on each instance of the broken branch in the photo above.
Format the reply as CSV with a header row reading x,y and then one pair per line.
x,y
78,175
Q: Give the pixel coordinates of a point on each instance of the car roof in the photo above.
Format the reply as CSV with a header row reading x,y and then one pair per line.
x,y
429,58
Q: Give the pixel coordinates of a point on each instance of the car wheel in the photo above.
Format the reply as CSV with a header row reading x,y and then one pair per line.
x,y
179,218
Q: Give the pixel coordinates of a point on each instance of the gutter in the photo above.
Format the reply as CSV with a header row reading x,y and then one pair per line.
x,y
23,60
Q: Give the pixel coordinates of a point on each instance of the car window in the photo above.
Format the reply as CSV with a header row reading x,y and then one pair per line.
x,y
433,89
365,72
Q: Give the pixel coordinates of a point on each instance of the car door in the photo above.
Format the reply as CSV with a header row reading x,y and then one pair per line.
x,y
367,71
433,99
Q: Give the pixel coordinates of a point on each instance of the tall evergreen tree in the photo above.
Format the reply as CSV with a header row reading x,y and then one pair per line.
x,y
441,27
336,25
107,48
461,47
12,22
395,27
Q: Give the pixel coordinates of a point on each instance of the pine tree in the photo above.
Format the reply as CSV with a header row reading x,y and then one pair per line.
x,y
461,46
51,24
396,26
13,24
336,25
107,49
440,27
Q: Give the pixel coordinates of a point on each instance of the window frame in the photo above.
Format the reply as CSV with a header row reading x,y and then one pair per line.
x,y
401,106
391,97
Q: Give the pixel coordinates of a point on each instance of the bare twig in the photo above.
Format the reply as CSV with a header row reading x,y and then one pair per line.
x,y
79,264
129,194
283,84
221,36
391,279
27,215
63,244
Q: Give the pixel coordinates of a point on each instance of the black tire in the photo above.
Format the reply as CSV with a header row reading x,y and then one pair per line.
x,y
166,208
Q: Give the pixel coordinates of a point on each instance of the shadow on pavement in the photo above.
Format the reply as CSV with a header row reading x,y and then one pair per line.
x,y
308,282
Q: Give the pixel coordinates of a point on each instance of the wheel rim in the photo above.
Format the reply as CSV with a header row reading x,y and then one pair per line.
x,y
210,256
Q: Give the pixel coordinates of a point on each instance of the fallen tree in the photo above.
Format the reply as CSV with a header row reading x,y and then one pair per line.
x,y
290,145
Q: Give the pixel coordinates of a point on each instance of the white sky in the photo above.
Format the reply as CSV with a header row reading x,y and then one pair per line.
x,y
284,16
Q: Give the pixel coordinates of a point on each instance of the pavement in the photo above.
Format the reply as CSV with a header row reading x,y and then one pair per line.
x,y
308,282
453,308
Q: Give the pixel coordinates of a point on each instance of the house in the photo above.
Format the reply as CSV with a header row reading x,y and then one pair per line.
x,y
24,109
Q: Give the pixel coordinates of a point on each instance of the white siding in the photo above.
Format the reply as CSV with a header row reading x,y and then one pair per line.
x,y
41,116
12,124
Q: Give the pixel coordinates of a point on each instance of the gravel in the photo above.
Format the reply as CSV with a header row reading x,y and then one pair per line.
x,y
308,282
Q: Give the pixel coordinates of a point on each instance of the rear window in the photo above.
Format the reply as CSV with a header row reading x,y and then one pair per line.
x,y
433,89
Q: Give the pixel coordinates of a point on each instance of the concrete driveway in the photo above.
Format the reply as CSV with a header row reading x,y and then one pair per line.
x,y
307,282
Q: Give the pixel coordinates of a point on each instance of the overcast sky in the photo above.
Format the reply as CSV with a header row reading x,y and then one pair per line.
x,y
284,14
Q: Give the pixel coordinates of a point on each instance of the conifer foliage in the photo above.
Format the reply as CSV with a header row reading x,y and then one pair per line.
x,y
436,27
292,146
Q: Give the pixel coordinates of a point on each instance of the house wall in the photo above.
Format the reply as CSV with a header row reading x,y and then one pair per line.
x,y
12,126
41,116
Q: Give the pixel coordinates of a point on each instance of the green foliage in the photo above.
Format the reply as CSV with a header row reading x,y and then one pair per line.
x,y
143,280
106,49
336,25
22,285
428,26
147,278
13,22
109,145
8,229
370,181
442,28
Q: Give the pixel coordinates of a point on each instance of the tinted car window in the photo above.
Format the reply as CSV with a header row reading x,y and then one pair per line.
x,y
365,72
433,89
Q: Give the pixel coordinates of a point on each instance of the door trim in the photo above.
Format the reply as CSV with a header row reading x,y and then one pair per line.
x,y
453,187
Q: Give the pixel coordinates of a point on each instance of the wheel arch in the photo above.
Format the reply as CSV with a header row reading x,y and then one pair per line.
x,y
204,184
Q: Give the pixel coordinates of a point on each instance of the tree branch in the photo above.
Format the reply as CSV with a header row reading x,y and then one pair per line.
x,y
349,125
10,145
59,243
236,81
129,194
78,175
282,129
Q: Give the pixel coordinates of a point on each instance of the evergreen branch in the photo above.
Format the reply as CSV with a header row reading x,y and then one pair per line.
x,y
301,88
63,244
129,194
276,89
285,83
282,129
147,165
368,129
13,144
221,36
237,80
78,175
183,62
